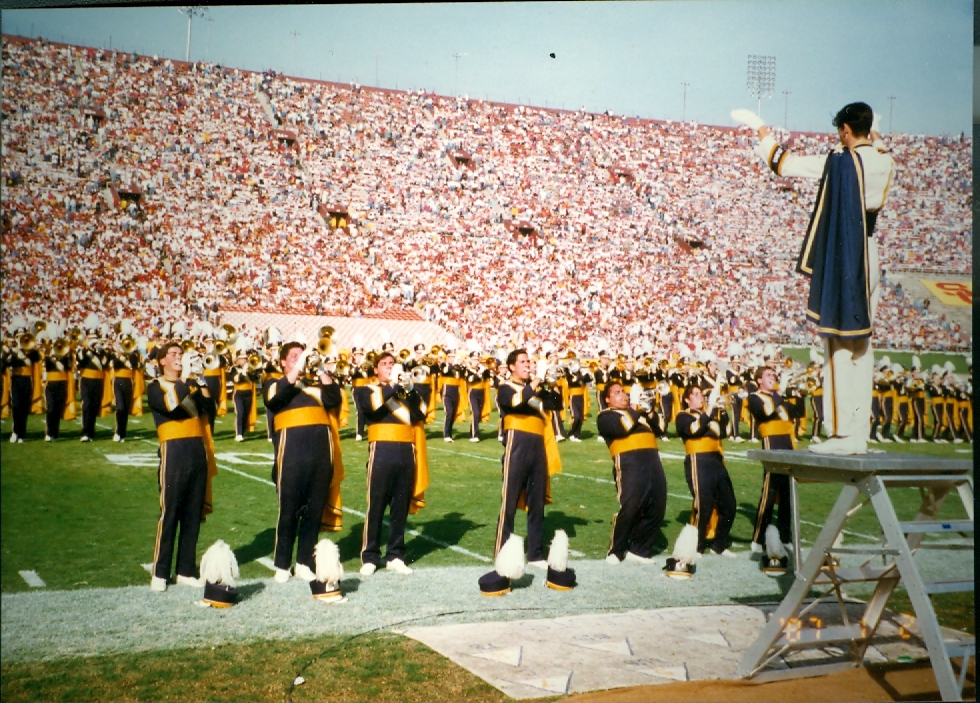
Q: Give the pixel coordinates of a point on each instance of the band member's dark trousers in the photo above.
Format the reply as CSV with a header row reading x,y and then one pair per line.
x,y
875,416
919,418
217,392
476,408
953,420
753,430
450,402
243,406
304,465
903,417
668,405
270,423
182,479
525,468
91,392
641,489
736,414
711,486
577,407
21,397
557,424
938,420
887,413
965,429
55,398
122,388
390,483
775,489
816,402
361,416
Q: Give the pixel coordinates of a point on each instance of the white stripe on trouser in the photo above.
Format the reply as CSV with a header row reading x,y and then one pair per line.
x,y
848,371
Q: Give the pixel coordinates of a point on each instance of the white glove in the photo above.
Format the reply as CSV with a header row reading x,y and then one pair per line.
x,y
748,118
876,124
185,364
714,398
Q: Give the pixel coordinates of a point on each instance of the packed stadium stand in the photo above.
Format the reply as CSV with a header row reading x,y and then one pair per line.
x,y
150,189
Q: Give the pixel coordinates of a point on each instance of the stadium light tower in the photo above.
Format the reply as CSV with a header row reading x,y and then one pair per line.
x,y
191,13
891,106
295,34
684,107
207,46
761,78
456,56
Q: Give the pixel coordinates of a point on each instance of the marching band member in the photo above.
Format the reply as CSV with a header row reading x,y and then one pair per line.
x,y
397,469
425,389
601,376
477,379
774,423
939,419
733,381
902,402
127,380
305,463
91,363
530,454
270,374
24,364
245,379
701,426
359,377
641,486
59,388
577,383
917,399
452,378
180,409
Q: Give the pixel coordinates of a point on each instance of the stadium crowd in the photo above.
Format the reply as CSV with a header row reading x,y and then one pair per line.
x,y
151,189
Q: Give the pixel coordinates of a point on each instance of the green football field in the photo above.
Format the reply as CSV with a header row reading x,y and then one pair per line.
x,y
83,516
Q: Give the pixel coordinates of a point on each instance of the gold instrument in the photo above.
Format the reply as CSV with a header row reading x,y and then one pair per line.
x,y
232,333
420,374
342,369
648,362
117,327
38,326
343,356
26,342
324,345
436,350
429,360
404,355
61,347
187,345
220,347
552,375
492,363
620,362
326,332
593,366
255,362
367,367
211,361
573,365
370,358
128,345
75,335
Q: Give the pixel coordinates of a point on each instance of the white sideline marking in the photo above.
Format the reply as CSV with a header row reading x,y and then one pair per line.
x,y
148,567
414,533
133,459
267,563
472,456
33,580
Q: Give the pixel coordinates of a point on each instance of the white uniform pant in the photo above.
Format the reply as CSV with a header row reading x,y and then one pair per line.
x,y
848,372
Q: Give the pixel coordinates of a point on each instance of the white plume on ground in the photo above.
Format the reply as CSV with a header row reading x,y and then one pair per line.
x,y
510,559
774,546
686,546
218,565
329,570
558,554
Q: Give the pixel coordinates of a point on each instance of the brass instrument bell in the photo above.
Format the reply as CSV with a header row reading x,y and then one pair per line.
x,y
26,341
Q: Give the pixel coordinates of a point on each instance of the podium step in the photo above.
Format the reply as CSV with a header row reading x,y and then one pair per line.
x,y
948,586
909,528
959,648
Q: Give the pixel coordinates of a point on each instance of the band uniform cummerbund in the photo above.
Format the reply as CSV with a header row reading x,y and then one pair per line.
x,y
300,417
641,440
578,390
524,423
22,371
774,427
359,382
451,381
211,373
123,373
244,386
702,445
600,387
57,376
92,373
275,375
180,429
390,432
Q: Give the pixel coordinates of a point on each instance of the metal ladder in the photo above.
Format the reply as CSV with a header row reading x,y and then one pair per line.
x,y
788,631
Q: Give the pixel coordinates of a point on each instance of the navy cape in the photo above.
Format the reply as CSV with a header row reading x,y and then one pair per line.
x,y
835,252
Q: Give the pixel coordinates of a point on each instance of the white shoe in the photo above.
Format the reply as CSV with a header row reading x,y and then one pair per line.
x,y
239,438
359,438
282,575
539,564
637,559
600,439
474,439
871,440
559,438
613,560
398,566
86,438
268,439
190,581
115,437
367,569
447,439
898,439
842,446
158,584
753,440
957,441
815,440
304,572
48,438
882,438
574,439
940,441
728,553
13,438
660,439
737,440
500,438
756,548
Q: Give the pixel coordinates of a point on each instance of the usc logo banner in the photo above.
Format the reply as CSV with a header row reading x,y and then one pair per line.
x,y
950,292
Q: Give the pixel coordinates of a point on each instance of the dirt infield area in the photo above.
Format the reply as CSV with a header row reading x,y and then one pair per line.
x,y
875,682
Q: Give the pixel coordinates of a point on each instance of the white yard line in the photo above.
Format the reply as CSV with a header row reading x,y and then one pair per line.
x,y
33,580
148,567
267,563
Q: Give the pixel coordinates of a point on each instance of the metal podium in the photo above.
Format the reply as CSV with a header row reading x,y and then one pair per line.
x,y
865,477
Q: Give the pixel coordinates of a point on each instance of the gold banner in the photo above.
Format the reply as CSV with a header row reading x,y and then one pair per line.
x,y
950,292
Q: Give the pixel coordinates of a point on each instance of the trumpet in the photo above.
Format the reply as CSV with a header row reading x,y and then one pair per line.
x,y
342,369
26,342
75,335
420,374
315,364
211,361
187,345
220,347
127,345
38,326
647,401
255,362
573,366
552,375
404,355
61,347
406,381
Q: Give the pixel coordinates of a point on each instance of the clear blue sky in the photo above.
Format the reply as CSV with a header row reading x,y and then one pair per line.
x,y
627,57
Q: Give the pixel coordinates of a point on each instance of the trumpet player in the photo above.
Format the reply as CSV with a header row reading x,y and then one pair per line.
x,y
641,486
360,376
92,362
59,388
577,380
214,377
397,470
478,395
733,379
127,383
24,367
245,374
601,377
425,389
452,377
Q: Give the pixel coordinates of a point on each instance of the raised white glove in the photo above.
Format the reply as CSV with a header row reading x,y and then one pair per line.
x,y
876,124
748,118
185,364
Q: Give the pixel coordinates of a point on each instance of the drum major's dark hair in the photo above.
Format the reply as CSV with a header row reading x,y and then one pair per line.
x,y
512,357
859,116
